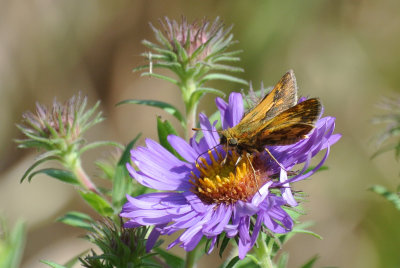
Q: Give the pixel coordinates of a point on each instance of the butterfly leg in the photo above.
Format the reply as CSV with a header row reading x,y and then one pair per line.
x,y
279,164
252,167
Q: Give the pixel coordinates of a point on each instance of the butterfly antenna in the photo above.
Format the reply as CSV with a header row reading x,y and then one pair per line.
x,y
205,152
209,130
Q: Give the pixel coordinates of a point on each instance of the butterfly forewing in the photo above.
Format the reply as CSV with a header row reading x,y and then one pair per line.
x,y
281,98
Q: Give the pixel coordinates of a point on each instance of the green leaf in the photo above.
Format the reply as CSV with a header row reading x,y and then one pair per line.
x,y
53,264
223,246
301,231
226,77
74,260
283,260
160,76
159,104
122,182
77,219
164,128
97,203
170,259
211,91
59,174
29,143
181,52
227,68
390,196
12,248
96,144
232,262
249,262
397,151
38,162
161,38
323,168
69,263
384,149
310,263
108,169
158,50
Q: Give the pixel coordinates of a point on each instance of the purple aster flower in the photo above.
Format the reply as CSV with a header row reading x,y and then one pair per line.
x,y
205,196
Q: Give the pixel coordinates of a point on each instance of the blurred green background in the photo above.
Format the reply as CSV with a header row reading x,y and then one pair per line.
x,y
345,52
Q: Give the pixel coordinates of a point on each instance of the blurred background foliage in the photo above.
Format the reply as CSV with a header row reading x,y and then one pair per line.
x,y
345,52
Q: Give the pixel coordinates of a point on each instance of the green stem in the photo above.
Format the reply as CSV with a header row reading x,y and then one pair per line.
x,y
191,122
187,88
84,179
263,253
190,258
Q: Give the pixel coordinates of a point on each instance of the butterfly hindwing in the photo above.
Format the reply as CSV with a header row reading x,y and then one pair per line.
x,y
292,124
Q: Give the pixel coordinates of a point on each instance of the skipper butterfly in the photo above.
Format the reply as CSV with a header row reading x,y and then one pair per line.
x,y
276,120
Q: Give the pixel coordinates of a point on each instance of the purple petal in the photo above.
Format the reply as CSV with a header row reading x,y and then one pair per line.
x,y
245,209
183,148
308,174
223,110
273,225
155,208
261,194
286,191
244,237
196,203
235,108
217,223
212,244
162,182
231,113
256,231
211,136
153,237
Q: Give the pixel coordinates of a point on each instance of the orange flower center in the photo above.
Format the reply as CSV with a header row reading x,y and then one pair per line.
x,y
226,181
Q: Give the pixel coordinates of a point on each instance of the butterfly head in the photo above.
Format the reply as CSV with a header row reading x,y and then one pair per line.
x,y
228,139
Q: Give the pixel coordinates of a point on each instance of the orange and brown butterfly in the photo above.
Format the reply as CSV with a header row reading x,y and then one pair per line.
x,y
276,120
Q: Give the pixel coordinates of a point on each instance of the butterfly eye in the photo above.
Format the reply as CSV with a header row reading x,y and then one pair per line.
x,y
233,141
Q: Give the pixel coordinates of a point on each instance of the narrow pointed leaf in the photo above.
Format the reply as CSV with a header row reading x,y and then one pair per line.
x,y
232,262
122,183
163,77
171,259
226,77
159,104
97,203
38,162
12,249
164,128
74,260
310,263
77,219
52,264
227,68
96,144
210,90
390,196
283,260
59,174
224,244
301,231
